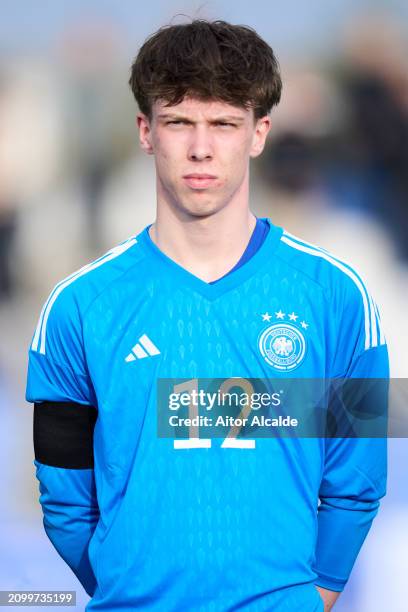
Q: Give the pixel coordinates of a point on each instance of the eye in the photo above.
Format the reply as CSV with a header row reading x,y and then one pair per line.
x,y
176,122
225,124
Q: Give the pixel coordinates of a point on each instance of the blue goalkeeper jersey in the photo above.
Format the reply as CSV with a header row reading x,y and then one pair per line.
x,y
168,526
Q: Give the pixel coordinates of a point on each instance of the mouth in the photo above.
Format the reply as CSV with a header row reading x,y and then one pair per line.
x,y
199,181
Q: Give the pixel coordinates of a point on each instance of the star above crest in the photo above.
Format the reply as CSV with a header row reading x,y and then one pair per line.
x,y
281,315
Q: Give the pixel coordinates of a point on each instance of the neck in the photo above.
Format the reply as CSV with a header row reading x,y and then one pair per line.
x,y
208,247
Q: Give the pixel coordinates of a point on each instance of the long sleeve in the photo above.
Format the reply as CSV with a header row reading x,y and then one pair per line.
x,y
59,385
71,513
354,477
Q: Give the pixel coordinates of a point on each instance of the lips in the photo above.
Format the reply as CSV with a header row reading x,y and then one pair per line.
x,y
199,181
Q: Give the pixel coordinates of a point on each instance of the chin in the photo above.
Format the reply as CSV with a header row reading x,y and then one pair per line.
x,y
203,209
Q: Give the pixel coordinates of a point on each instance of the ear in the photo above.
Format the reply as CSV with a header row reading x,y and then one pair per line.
x,y
145,133
262,127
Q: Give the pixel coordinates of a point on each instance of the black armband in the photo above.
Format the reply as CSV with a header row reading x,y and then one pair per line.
x,y
63,434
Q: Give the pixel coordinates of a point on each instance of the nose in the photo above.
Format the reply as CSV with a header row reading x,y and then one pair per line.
x,y
200,145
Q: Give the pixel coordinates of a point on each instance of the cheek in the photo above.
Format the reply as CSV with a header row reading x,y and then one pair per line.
x,y
168,157
164,160
240,159
236,152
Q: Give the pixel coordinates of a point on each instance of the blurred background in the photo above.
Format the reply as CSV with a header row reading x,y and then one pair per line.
x,y
73,183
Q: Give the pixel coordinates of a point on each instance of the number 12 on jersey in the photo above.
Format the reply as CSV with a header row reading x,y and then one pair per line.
x,y
231,440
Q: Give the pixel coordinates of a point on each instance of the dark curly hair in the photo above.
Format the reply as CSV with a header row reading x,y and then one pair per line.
x,y
209,61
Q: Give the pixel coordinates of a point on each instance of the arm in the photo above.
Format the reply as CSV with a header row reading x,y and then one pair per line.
x,y
59,385
71,514
63,441
349,503
355,463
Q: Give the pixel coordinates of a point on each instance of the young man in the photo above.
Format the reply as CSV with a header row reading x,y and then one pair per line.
x,y
210,291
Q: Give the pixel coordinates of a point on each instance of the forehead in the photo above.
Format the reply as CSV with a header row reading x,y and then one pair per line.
x,y
204,109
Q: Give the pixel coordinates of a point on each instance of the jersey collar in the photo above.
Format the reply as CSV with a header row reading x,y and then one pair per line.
x,y
235,278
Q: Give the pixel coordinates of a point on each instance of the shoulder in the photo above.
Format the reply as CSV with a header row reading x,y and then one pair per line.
x,y
67,302
322,266
343,285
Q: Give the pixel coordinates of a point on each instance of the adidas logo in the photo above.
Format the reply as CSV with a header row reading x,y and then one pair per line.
x,y
143,348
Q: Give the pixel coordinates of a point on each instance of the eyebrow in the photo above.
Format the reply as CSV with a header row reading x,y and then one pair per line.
x,y
221,118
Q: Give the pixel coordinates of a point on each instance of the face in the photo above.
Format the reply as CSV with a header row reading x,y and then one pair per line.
x,y
202,151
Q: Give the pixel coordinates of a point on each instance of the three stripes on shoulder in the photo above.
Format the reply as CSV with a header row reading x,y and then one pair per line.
x,y
39,340
374,335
